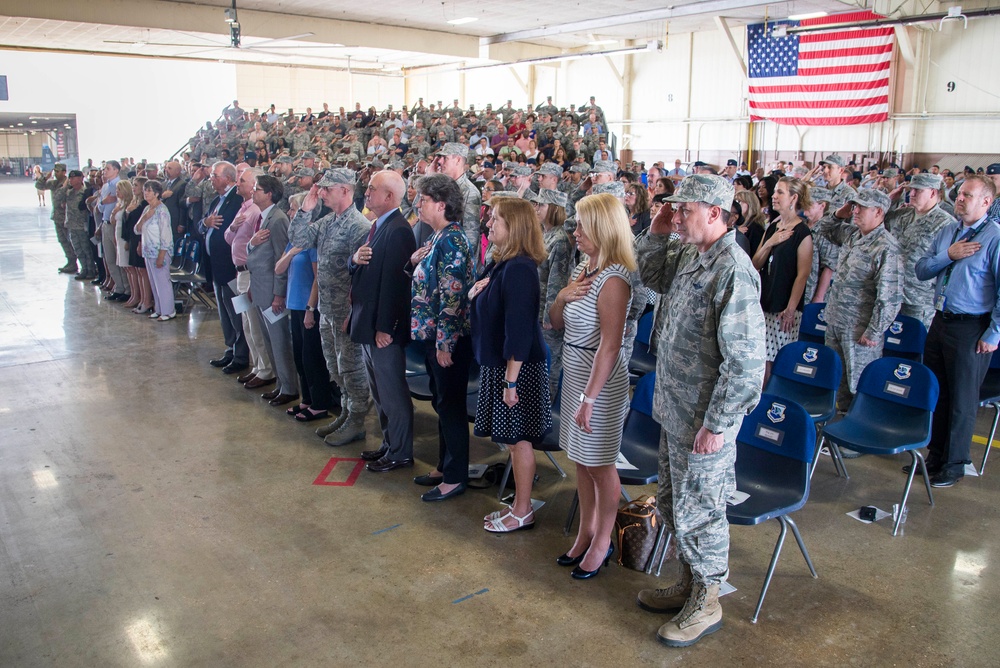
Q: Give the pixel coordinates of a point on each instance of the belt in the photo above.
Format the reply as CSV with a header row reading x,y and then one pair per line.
x,y
241,267
947,316
567,343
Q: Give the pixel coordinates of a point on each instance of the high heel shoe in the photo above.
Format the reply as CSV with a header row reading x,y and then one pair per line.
x,y
580,574
140,309
566,560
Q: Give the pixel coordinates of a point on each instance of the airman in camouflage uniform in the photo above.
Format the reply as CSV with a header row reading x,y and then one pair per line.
x,y
454,159
57,184
75,221
915,232
867,287
336,236
833,172
300,139
553,275
709,371
825,252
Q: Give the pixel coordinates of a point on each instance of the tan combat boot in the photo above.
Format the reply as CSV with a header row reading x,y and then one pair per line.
x,y
323,432
701,616
352,429
670,599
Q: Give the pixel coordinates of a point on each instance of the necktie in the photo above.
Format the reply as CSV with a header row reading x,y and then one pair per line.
x,y
371,235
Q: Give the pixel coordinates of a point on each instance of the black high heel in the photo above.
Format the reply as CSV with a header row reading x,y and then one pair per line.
x,y
566,560
580,574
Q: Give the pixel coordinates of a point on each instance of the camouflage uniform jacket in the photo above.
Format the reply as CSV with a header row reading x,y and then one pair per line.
x,y
868,284
335,239
470,220
75,218
916,236
825,255
710,361
554,271
840,195
58,189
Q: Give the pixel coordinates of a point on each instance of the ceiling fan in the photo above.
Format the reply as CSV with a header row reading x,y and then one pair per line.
x,y
235,41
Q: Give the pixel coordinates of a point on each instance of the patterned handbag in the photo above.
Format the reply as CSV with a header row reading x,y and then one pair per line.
x,y
637,525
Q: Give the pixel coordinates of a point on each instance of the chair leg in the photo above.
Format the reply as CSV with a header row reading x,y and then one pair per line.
x,y
819,448
838,460
802,546
656,548
572,514
927,480
555,463
771,567
625,496
916,461
993,431
503,480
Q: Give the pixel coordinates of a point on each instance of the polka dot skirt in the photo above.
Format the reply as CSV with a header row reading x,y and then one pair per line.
x,y
774,338
528,420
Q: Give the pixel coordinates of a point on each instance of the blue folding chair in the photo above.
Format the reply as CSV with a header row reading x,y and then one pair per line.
x,y
809,374
891,413
642,361
812,328
905,338
774,450
415,359
989,397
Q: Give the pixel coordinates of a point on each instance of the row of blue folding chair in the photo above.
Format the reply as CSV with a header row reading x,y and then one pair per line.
x,y
904,338
989,397
642,361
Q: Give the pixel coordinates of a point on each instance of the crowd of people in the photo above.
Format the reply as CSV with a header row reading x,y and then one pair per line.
x,y
511,242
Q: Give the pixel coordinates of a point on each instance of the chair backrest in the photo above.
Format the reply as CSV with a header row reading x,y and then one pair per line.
x,y
905,337
900,381
809,363
642,398
181,250
192,257
781,427
813,325
644,329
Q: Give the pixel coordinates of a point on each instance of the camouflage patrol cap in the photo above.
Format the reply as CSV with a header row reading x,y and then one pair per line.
x,y
306,155
580,168
604,166
521,170
818,194
305,171
453,148
833,159
616,188
337,177
510,166
59,167
548,196
708,188
870,197
550,169
396,164
890,173
285,160
501,194
375,163
926,181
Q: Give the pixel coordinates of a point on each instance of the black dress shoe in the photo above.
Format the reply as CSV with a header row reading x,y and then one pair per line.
x,y
283,399
257,381
375,455
96,281
946,477
566,560
221,362
933,468
246,377
426,480
436,495
234,367
580,574
117,297
272,394
385,465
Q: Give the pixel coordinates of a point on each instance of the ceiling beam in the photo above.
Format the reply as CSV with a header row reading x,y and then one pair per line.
x,y
712,7
163,14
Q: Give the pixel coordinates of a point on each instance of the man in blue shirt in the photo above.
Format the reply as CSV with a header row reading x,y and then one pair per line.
x,y
965,261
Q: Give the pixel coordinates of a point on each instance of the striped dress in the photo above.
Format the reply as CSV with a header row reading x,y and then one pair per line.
x,y
581,339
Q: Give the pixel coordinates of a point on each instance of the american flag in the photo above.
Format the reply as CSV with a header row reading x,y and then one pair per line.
x,y
827,77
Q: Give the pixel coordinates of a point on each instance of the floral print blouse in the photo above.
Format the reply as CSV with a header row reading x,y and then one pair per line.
x,y
441,283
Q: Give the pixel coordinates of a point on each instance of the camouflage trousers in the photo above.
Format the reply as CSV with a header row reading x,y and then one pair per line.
x,y
554,340
855,357
346,365
83,250
924,314
691,496
62,235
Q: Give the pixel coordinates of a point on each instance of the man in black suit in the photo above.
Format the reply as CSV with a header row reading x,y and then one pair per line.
x,y
380,319
218,216
174,184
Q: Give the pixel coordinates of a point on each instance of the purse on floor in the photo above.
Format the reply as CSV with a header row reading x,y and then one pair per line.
x,y
637,525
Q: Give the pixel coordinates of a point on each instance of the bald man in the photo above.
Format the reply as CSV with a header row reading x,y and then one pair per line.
x,y
174,183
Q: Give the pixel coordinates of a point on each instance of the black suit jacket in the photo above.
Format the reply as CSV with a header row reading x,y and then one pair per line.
x,y
221,253
175,205
380,290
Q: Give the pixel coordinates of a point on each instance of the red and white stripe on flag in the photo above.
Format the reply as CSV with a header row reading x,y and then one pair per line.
x,y
826,77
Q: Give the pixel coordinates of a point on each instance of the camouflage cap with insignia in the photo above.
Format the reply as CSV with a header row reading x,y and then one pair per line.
x,y
501,194
833,159
707,188
521,170
550,169
510,166
870,197
547,196
604,167
453,148
580,168
285,160
616,188
818,194
396,164
337,177
890,173
375,163
926,181
307,155
59,167
305,171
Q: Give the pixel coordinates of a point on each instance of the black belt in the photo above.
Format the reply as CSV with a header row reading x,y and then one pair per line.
x,y
567,343
958,317
241,267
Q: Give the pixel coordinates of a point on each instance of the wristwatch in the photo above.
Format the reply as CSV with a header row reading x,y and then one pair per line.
x,y
311,309
510,384
584,399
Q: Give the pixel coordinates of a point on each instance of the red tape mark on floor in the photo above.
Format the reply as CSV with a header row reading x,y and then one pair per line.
x,y
322,478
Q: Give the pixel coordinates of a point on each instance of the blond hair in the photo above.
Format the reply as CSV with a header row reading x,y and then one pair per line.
x,y
124,192
524,234
604,220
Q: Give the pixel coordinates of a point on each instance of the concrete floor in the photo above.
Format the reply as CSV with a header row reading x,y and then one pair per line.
x,y
155,513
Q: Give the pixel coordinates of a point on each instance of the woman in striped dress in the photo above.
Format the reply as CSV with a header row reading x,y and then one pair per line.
x,y
591,310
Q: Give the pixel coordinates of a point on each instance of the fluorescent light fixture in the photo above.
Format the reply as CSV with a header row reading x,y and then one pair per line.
x,y
462,21
803,17
651,46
